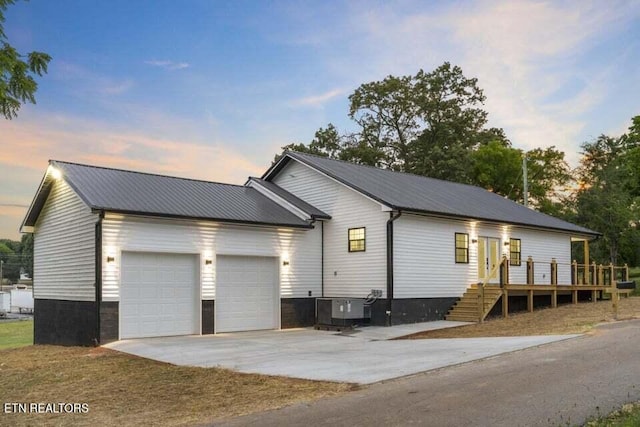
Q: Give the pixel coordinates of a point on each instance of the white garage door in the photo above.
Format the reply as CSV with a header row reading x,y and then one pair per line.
x,y
159,295
246,293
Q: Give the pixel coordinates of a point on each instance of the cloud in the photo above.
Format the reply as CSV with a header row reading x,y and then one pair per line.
x,y
533,59
31,140
318,101
86,81
168,65
115,88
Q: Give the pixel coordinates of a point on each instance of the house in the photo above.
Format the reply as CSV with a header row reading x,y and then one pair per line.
x,y
121,254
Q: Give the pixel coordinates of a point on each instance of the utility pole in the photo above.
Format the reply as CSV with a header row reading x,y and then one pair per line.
x,y
525,192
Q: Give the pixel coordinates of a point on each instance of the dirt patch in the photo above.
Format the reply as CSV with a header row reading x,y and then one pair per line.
x,y
566,319
126,390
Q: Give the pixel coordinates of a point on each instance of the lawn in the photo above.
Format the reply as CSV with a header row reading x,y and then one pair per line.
x,y
16,334
126,390
566,319
627,416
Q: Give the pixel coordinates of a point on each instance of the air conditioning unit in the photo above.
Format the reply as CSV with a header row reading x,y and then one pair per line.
x,y
342,311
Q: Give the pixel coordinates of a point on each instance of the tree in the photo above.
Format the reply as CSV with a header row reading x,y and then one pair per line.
x,y
326,143
17,72
26,253
497,167
449,106
11,262
608,197
425,124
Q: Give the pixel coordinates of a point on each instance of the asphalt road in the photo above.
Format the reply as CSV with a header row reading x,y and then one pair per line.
x,y
557,384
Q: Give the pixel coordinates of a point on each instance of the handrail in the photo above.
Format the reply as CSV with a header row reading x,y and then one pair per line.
x,y
481,286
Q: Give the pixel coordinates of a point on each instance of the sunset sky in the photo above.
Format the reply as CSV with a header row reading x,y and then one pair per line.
x,y
212,89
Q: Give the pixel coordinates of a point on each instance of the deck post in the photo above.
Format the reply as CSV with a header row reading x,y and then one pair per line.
x,y
586,262
594,296
626,272
600,275
505,302
529,271
530,300
574,272
554,271
504,271
574,296
594,273
554,297
614,291
480,302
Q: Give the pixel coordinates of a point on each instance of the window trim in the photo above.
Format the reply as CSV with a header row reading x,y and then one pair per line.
x,y
512,261
465,248
364,239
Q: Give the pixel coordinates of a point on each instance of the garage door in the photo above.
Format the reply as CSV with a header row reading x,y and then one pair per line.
x,y
246,293
159,295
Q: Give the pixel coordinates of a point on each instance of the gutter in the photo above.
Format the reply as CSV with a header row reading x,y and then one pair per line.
x,y
390,221
98,285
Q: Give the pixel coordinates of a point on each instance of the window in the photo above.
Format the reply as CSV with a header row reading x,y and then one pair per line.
x,y
462,248
515,251
356,239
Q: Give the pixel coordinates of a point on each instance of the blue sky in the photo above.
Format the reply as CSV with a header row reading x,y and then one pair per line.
x,y
212,90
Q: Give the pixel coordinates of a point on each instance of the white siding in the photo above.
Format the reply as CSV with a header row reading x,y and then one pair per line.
x,y
424,261
64,247
351,274
302,248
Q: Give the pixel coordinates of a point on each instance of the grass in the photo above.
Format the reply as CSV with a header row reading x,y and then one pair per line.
x,y
566,319
16,334
627,416
126,390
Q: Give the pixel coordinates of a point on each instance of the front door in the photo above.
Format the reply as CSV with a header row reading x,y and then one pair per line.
x,y
488,259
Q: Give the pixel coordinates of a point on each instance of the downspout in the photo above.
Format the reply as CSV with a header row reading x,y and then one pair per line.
x,y
390,221
98,243
322,259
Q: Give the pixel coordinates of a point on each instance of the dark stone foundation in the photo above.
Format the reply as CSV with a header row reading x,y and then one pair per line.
x,y
109,321
62,322
297,312
208,317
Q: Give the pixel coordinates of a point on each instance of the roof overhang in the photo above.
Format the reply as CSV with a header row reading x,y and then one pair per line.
x,y
51,175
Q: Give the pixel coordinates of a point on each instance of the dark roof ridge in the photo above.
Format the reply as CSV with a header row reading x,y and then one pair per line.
x,y
145,173
391,171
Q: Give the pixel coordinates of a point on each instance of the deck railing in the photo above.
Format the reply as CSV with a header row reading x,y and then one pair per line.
x,y
583,277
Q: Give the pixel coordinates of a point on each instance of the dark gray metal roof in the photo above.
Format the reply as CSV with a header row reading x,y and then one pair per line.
x,y
115,190
305,207
414,193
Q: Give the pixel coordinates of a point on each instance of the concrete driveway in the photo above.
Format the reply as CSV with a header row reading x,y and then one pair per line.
x,y
364,356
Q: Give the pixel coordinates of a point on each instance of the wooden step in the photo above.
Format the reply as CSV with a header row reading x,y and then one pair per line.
x,y
466,308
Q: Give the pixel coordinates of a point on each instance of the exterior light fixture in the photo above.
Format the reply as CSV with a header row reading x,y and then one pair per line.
x,y
208,262
506,243
474,240
285,262
111,259
55,172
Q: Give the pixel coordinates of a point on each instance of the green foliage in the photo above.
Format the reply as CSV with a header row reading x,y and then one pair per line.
x,y
326,143
16,256
608,199
17,72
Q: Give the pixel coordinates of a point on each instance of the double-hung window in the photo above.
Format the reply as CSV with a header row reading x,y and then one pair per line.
x,y
462,248
357,239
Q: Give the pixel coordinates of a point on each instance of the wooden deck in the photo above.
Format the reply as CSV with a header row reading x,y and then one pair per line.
x,y
479,299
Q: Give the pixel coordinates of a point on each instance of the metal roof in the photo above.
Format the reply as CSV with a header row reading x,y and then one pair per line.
x,y
115,190
415,193
305,207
